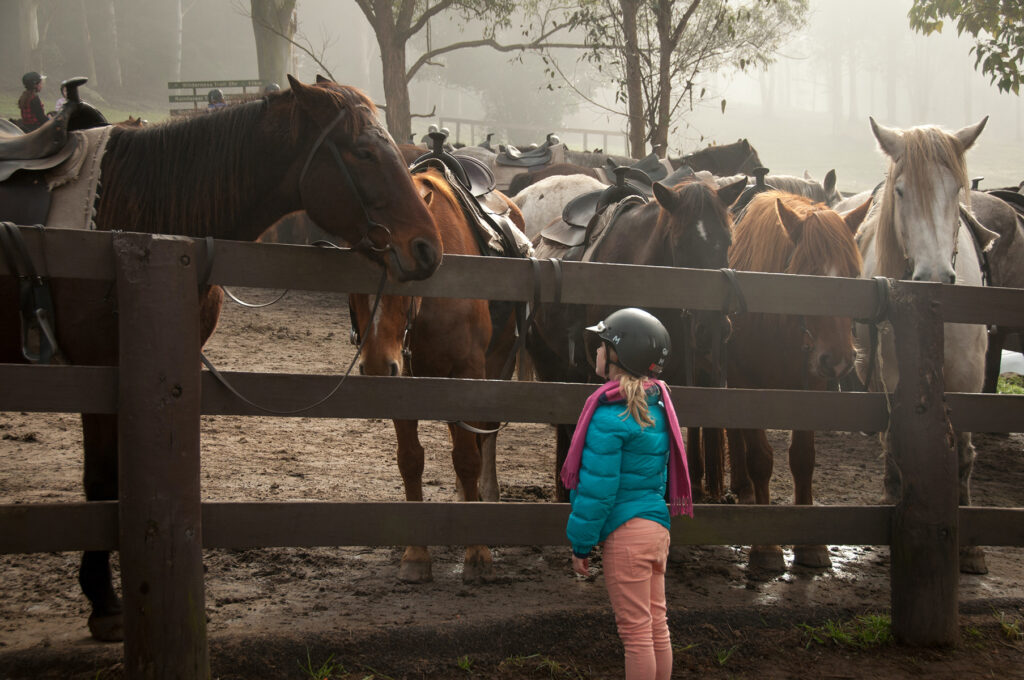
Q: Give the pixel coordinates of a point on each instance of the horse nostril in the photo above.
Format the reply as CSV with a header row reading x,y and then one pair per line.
x,y
951,278
425,254
362,371
394,368
826,363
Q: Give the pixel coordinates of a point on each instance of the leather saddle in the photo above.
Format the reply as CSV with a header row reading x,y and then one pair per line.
x,y
1014,198
472,174
580,212
748,194
651,166
49,145
528,159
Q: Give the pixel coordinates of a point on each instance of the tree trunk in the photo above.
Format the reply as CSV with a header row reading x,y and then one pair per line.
x,y
634,91
662,122
179,37
90,58
273,27
396,87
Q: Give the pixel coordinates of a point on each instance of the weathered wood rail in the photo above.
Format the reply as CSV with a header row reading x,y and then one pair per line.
x,y
160,524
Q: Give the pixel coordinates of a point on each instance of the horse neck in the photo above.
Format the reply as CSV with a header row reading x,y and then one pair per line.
x,y
151,184
636,238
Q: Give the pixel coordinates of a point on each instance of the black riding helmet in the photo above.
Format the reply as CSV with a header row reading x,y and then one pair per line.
x,y
31,79
639,339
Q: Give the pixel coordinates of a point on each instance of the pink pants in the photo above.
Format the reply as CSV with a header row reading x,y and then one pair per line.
x,y
634,559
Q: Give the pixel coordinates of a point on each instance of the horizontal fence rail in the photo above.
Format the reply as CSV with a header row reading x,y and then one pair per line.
x,y
92,389
87,255
49,527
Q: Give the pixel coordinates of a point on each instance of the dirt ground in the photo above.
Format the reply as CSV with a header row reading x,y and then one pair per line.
x,y
342,613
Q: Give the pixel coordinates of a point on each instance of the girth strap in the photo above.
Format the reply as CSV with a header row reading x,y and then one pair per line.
x,y
35,300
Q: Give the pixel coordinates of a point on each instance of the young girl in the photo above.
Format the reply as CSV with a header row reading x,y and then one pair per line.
x,y
626,449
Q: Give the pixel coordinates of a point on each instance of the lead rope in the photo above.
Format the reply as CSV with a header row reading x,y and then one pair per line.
x,y
288,412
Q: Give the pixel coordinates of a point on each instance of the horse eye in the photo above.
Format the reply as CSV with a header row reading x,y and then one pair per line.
x,y
899,192
363,155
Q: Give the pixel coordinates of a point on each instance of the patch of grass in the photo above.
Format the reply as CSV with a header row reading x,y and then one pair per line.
x,y
1010,384
464,663
863,632
544,665
722,656
324,671
1012,627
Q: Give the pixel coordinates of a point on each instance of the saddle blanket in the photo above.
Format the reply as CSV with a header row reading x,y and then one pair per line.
x,y
73,184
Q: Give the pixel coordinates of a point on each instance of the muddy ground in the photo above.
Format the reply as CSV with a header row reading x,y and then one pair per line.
x,y
285,613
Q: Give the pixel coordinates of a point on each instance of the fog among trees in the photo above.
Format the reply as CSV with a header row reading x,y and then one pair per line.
x,y
806,111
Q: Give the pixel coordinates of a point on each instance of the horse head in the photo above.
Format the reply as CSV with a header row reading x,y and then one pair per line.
x,y
384,337
790,234
919,216
354,181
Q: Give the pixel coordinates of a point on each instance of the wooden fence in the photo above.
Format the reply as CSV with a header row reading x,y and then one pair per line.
x,y
579,139
197,91
160,524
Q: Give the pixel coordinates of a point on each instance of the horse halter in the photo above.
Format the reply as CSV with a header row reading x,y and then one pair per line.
x,y
366,241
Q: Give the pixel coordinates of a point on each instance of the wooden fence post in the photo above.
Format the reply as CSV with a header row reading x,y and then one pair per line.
x,y
158,442
925,566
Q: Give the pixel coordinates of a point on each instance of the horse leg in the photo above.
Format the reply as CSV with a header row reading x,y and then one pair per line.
x,y
801,464
739,484
563,437
993,357
972,558
759,464
415,567
713,446
99,435
695,462
477,566
488,444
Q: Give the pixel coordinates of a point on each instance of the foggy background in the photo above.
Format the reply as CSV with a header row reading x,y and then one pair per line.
x,y
808,111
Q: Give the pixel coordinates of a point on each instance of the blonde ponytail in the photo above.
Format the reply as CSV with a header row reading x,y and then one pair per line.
x,y
635,393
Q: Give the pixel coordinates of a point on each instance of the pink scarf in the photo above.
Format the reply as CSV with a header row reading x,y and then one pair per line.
x,y
680,499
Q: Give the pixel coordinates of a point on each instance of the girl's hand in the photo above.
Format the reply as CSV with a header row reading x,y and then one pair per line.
x,y
581,565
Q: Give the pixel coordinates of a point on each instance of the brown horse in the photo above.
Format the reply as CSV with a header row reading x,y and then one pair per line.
x,y
687,225
789,234
439,337
230,174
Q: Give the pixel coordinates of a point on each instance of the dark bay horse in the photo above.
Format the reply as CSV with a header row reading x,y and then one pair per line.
x,y
687,225
787,234
230,174
446,338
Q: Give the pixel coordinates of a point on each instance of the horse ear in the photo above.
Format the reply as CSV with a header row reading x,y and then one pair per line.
x,y
792,223
829,183
321,79
889,139
854,218
730,192
969,134
807,176
665,196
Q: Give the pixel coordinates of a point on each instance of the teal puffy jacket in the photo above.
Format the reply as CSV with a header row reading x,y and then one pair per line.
x,y
623,474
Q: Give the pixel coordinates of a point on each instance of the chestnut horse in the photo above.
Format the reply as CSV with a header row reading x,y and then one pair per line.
x,y
687,225
230,175
787,234
446,338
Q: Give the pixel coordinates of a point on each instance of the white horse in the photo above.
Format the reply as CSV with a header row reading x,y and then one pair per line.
x,y
914,231
541,203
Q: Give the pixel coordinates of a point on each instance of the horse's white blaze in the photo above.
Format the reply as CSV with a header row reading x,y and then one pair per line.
x,y
702,230
928,235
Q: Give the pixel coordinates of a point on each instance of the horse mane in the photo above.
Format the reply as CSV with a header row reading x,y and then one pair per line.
x,y
924,147
761,243
197,175
799,186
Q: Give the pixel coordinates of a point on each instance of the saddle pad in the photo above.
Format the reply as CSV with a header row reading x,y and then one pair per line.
x,y
564,233
74,185
984,237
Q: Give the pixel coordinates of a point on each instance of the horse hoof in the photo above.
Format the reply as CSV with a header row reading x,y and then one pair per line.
x,y
972,561
108,628
478,572
767,558
813,556
416,571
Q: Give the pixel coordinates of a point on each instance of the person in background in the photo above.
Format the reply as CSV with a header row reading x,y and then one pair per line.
x,y
270,88
32,113
63,98
626,450
215,100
